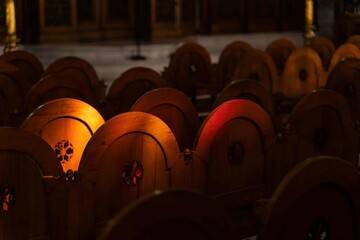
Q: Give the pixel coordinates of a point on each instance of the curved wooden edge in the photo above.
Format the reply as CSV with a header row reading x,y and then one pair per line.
x,y
20,140
10,92
186,48
257,56
120,125
166,206
17,75
173,97
63,107
72,62
347,50
60,80
338,70
324,41
334,100
354,39
282,43
232,47
133,74
246,86
15,57
224,113
309,174
318,98
291,76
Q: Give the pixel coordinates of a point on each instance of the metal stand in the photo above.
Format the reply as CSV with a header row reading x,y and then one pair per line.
x,y
140,12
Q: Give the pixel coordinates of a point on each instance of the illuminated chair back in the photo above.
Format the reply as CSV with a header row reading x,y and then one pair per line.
x,y
130,156
66,125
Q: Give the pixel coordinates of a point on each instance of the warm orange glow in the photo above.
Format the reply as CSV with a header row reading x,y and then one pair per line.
x,y
66,125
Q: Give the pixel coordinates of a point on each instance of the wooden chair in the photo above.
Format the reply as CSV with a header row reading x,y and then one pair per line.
x,y
228,60
247,89
131,85
66,125
318,199
175,109
130,156
81,69
302,74
190,69
345,51
60,85
280,49
11,102
320,124
325,48
354,39
172,214
26,62
18,76
256,65
344,79
250,90
33,199
233,142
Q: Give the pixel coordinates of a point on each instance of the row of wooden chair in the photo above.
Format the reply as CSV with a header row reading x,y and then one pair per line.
x,y
108,196
190,70
236,139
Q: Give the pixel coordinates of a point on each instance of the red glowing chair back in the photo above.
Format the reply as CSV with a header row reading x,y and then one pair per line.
x,y
232,143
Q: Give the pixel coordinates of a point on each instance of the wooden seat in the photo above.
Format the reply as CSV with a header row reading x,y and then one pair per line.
x,y
228,60
11,102
175,109
18,76
233,142
130,156
354,39
325,48
33,200
60,85
280,49
345,51
131,85
66,125
318,199
344,79
189,70
303,73
172,214
320,124
256,65
26,62
81,69
247,89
